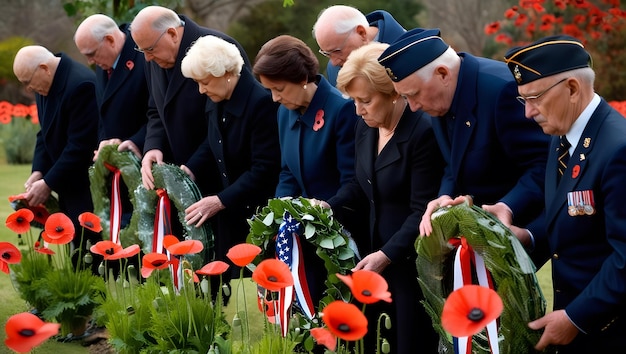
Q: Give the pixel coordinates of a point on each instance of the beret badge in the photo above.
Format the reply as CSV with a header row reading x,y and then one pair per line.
x,y
392,76
517,74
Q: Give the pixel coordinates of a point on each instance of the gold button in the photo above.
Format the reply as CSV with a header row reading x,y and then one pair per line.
x,y
555,256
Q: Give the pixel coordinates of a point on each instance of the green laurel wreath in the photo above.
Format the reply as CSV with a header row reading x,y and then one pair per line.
x,y
181,190
129,167
505,258
320,229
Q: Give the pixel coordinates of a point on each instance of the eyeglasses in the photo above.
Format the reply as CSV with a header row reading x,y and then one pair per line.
x,y
533,99
337,50
151,48
27,83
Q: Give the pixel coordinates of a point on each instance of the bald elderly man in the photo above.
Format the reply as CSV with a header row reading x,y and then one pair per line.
x,y
121,88
66,104
340,29
176,113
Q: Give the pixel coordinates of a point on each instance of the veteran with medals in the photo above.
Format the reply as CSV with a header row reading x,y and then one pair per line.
x,y
585,229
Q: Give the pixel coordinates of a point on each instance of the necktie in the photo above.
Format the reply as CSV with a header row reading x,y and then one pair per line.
x,y
109,73
563,154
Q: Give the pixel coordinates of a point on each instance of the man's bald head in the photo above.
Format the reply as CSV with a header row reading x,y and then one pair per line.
x,y
338,19
28,61
158,32
100,40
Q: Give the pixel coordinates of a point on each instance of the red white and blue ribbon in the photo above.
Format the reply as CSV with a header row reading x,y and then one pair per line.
x,y
464,258
289,250
163,227
115,215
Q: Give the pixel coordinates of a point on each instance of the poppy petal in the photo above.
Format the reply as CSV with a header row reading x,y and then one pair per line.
x,y
242,254
19,221
90,221
26,331
272,274
345,320
106,249
324,337
9,253
213,268
59,228
367,286
185,247
469,309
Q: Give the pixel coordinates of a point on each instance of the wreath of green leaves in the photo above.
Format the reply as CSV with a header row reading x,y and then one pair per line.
x,y
505,258
181,190
319,228
129,167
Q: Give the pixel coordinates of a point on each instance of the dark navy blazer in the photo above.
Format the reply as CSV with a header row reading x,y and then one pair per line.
x,y
123,99
68,116
176,113
496,153
588,252
243,142
316,163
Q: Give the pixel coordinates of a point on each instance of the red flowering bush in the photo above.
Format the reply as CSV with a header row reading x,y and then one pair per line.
x,y
599,25
18,131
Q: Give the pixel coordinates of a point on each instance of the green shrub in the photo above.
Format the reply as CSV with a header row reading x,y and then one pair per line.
x,y
18,139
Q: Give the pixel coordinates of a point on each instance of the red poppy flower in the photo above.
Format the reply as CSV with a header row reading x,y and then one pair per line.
x,y
469,309
42,249
185,247
112,251
242,254
90,221
58,229
20,110
492,28
153,261
345,320
213,268
319,120
324,337
272,274
26,331
19,221
130,65
367,286
9,254
169,240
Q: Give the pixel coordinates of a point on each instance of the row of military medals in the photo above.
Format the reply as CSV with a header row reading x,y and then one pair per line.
x,y
580,203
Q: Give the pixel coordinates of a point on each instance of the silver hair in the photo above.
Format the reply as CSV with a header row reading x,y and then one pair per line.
x,y
211,55
449,59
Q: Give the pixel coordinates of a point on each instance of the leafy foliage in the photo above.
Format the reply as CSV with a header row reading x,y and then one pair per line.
x,y
8,49
18,139
505,258
599,25
120,10
320,229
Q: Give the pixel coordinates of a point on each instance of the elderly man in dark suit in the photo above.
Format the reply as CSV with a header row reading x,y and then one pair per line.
x,y
584,196
66,104
340,29
175,126
492,151
121,88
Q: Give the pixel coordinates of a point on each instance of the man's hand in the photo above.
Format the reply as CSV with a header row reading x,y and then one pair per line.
x,y
426,228
128,145
151,157
104,143
376,262
38,192
558,329
188,172
200,211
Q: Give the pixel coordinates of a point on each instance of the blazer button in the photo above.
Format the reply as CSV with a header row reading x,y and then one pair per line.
x,y
224,174
219,160
555,256
368,181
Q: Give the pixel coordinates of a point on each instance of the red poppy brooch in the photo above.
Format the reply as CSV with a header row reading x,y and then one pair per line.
x,y
319,120
130,65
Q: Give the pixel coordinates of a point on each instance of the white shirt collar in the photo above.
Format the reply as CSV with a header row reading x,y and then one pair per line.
x,y
576,131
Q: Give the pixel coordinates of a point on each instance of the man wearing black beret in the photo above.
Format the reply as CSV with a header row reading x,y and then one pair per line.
x,y
491,150
584,196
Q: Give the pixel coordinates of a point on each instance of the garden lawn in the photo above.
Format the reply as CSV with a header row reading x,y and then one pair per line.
x,y
12,178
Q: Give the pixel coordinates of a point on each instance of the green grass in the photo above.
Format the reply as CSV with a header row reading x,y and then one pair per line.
x,y
11,182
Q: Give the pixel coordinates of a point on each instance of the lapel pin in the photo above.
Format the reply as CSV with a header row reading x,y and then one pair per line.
x,y
587,142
